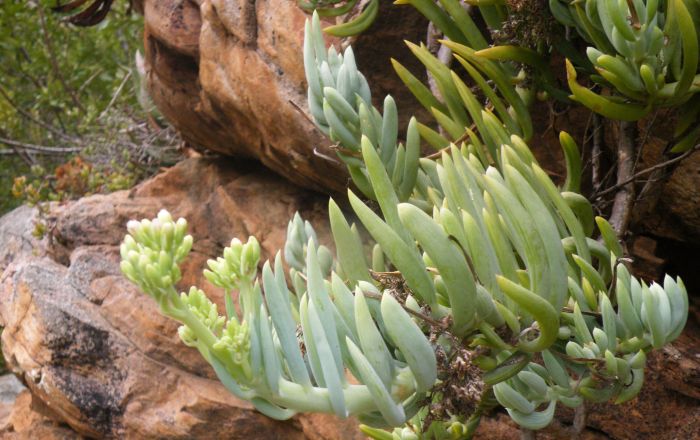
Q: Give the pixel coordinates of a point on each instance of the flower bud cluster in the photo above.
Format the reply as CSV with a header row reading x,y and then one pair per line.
x,y
152,251
204,310
235,341
239,263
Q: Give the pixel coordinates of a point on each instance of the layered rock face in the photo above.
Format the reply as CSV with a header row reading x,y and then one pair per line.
x,y
95,351
229,75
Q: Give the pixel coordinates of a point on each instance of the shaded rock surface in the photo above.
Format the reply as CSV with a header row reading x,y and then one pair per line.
x,y
30,418
229,75
96,352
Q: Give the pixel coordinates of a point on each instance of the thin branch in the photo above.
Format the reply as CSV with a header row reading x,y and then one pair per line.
x,y
44,149
651,169
443,54
89,80
459,140
29,116
116,95
425,318
432,37
580,416
645,138
596,151
18,152
19,70
624,198
302,112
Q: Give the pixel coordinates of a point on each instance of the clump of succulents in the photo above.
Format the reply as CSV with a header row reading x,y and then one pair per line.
x,y
485,284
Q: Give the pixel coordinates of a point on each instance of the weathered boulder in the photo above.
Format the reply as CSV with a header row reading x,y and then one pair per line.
x,y
229,75
96,352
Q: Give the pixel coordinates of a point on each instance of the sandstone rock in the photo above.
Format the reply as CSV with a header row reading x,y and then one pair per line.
x,y
97,353
229,75
31,419
10,387
676,211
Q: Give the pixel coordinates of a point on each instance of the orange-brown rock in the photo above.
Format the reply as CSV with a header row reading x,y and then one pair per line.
x,y
229,75
30,418
96,352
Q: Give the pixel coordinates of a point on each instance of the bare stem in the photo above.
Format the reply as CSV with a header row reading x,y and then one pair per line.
x,y
596,151
425,318
659,166
624,198
580,414
40,148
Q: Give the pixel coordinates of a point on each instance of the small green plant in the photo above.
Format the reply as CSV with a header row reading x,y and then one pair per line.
x,y
485,286
71,180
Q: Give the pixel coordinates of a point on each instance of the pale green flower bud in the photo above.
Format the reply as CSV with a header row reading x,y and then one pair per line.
x,y
408,434
164,217
184,249
235,341
250,258
212,277
205,310
167,234
232,255
187,336
129,244
221,274
165,260
152,273
133,226
128,271
180,230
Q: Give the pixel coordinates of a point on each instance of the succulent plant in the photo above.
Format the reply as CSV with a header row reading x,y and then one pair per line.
x,y
647,51
335,8
486,284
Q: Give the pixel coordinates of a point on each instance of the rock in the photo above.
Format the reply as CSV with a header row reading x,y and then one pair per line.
x,y
10,387
31,419
95,350
671,207
229,75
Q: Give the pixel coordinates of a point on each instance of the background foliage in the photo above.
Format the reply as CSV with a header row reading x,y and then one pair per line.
x,y
67,91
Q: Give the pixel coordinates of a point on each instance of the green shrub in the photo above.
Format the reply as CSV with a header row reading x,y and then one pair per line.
x,y
487,285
